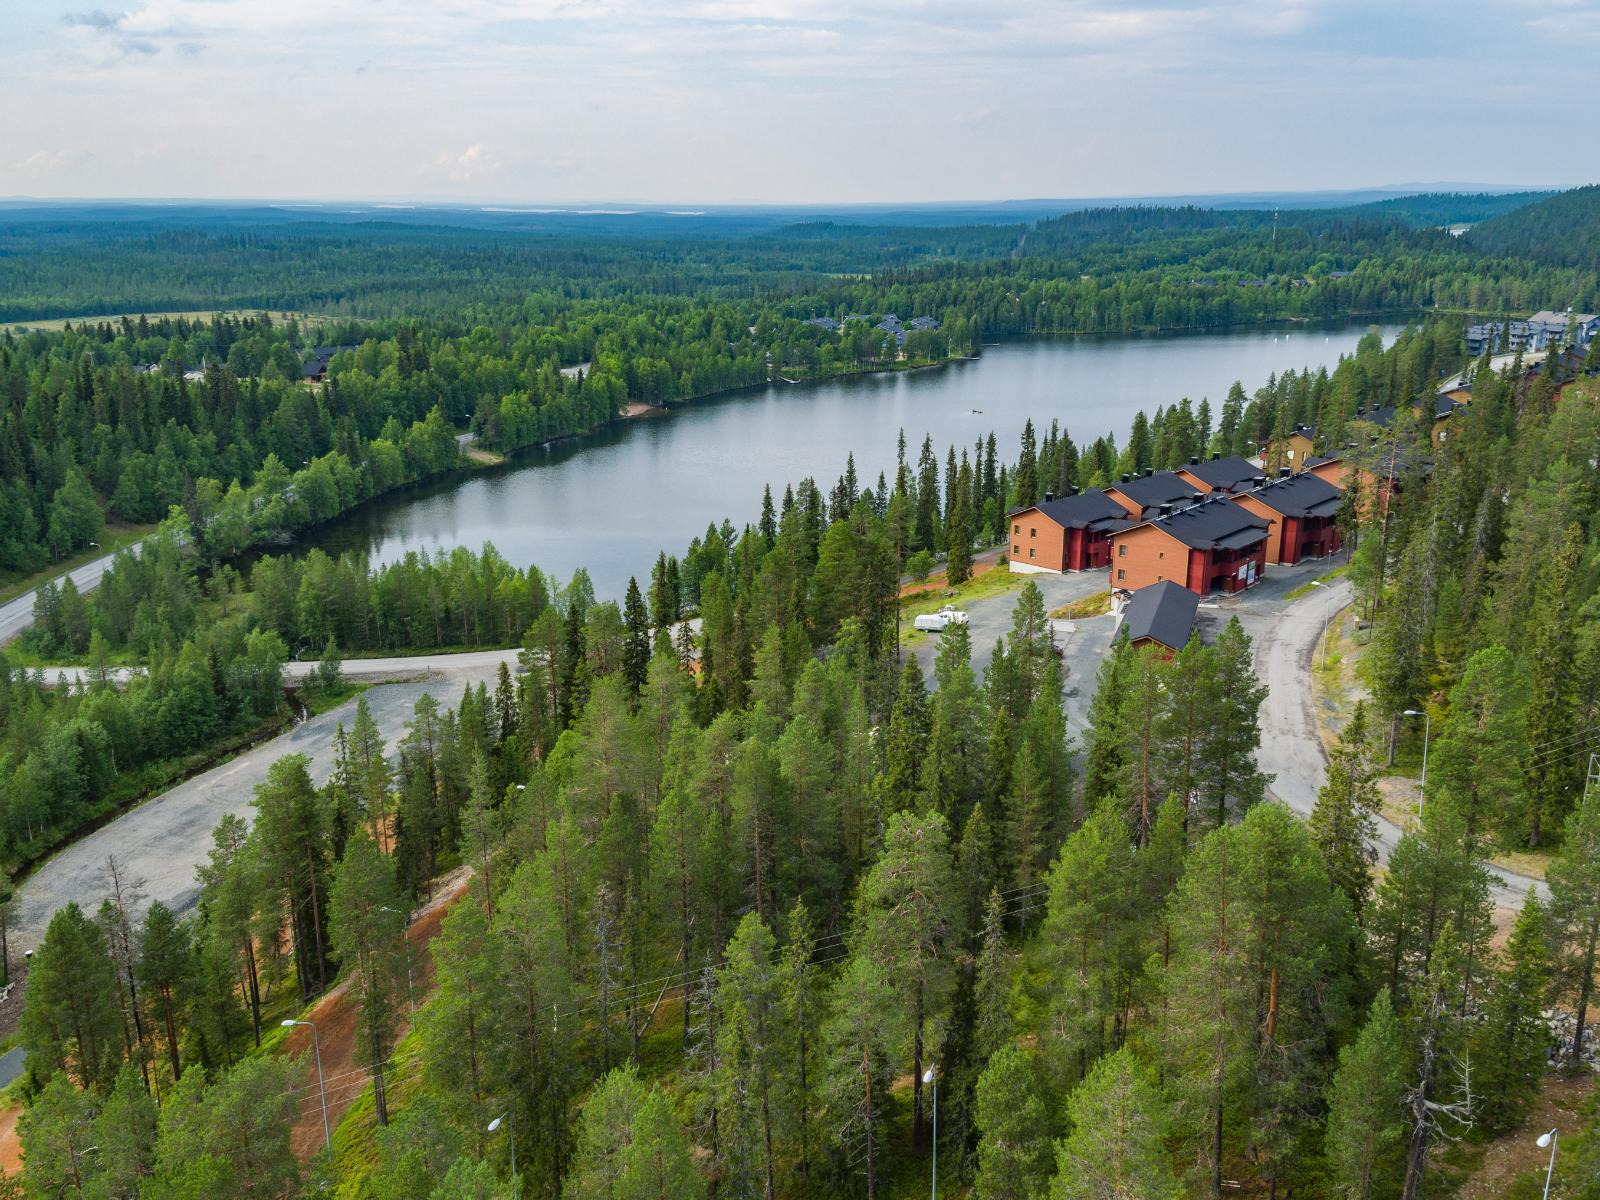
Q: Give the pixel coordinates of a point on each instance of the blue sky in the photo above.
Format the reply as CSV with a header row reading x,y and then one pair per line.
x,y
745,101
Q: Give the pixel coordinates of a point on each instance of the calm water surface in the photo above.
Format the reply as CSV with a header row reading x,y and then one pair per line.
x,y
612,501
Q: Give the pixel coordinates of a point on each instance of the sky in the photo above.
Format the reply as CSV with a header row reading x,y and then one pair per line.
x,y
787,101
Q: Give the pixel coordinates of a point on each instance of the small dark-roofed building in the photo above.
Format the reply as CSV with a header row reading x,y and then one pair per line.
x,y
925,324
1161,614
1143,495
827,324
1065,533
1213,545
1304,511
1220,473
315,369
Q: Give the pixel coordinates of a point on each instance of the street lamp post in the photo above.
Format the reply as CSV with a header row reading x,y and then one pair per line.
x,y
931,1075
1427,732
405,937
1317,583
322,1090
1549,1139
511,1134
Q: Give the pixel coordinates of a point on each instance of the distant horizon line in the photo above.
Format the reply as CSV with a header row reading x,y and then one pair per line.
x,y
631,207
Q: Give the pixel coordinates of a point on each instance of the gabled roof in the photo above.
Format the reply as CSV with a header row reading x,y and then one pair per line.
x,y
1225,473
1152,491
1216,523
1302,495
1163,612
1092,509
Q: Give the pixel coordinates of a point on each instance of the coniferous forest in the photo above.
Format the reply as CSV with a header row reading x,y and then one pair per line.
x,y
717,891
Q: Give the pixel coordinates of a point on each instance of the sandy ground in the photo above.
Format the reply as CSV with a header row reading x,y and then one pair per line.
x,y
335,1015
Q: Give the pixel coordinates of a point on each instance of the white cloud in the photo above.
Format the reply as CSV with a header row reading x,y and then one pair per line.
x,y
474,164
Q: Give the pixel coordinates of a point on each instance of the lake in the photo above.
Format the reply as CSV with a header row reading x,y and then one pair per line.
x,y
611,501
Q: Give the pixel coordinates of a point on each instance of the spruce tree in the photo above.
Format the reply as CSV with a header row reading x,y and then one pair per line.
x,y
1514,1040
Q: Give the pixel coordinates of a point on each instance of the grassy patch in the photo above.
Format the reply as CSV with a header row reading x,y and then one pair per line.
x,y
1306,588
1096,605
1522,862
116,537
936,596
318,701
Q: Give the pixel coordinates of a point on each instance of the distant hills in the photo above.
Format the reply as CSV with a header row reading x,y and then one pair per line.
x,y
1563,230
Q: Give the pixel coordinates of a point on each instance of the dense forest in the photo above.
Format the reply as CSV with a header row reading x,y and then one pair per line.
x,y
735,894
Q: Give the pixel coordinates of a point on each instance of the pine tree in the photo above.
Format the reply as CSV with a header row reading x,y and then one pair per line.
x,y
801,1002
749,1043
293,836
1014,1129
367,925
1116,1149
1090,931
166,973
57,1132
1027,478
70,1021
906,922
1366,1123
630,1145
1550,780
1574,883
125,1133
855,1066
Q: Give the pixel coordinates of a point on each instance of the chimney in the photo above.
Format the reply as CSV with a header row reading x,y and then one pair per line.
x,y
1196,497
1283,472
1166,510
1073,490
1126,477
1259,480
1194,460
1216,455
1149,471
1049,496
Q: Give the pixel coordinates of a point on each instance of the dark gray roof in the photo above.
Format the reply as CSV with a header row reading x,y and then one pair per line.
x,y
1163,612
1226,473
1150,491
1216,523
1302,495
1078,512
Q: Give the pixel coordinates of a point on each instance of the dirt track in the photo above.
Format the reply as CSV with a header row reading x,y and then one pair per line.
x,y
335,1014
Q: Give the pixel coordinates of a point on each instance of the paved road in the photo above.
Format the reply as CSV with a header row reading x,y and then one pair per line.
x,y
16,615
402,667
1285,635
161,842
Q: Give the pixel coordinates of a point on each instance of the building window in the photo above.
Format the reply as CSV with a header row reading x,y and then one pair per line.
x,y
1030,551
1015,549
1016,529
1161,554
1122,549
1121,574
1033,531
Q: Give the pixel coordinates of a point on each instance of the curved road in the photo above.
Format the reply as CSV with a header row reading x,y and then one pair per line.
x,y
161,842
1291,752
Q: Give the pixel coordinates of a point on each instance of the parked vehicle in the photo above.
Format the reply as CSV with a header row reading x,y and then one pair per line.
x,y
936,622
